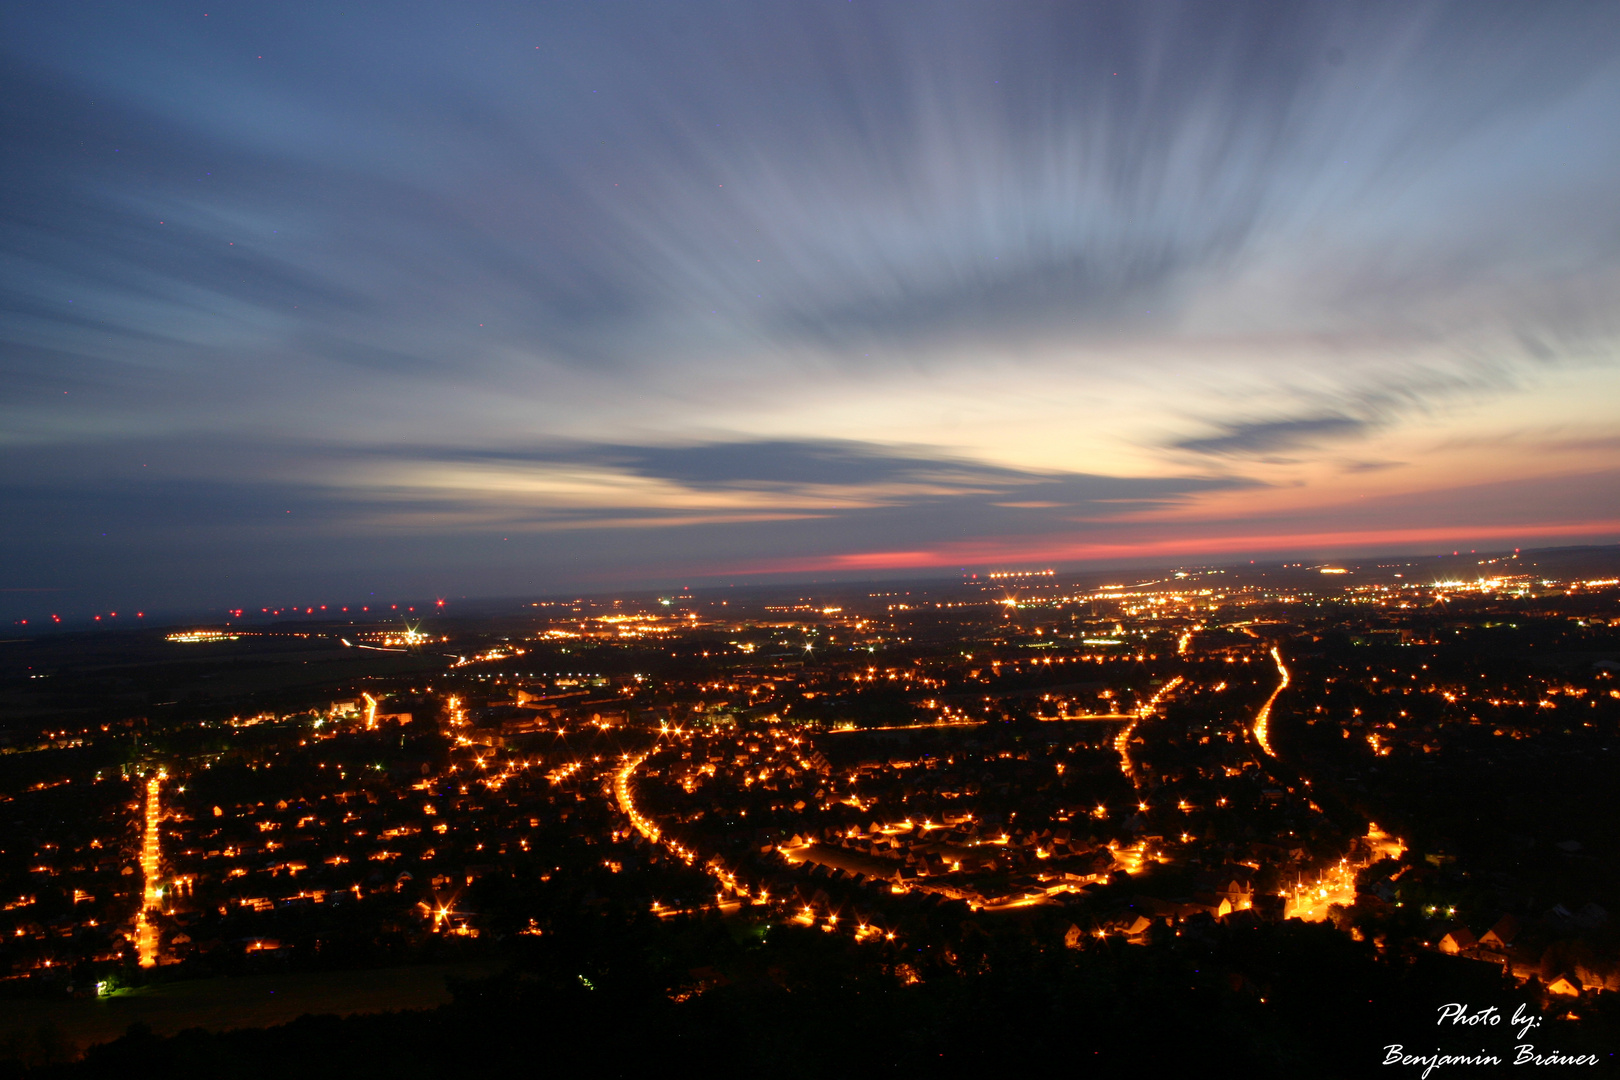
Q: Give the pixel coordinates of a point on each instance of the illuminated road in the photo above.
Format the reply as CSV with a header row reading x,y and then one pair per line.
x,y
724,878
1305,899
1337,885
627,803
146,934
1122,741
1262,719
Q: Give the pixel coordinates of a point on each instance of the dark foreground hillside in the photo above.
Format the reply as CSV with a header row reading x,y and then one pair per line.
x,y
1267,1000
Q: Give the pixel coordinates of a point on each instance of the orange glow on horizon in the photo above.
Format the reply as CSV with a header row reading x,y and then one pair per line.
x,y
991,550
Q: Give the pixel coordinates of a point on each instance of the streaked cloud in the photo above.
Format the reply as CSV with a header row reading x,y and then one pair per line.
x,y
658,287
1268,435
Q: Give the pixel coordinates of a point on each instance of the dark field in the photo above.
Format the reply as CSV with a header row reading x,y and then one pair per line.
x,y
248,1001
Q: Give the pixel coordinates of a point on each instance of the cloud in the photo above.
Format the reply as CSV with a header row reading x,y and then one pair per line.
x,y
833,479
1263,437
782,463
824,280
845,488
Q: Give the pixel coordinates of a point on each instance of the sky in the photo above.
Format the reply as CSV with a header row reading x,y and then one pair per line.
x,y
310,301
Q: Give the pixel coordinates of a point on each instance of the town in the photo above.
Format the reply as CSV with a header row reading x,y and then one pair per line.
x,y
1413,759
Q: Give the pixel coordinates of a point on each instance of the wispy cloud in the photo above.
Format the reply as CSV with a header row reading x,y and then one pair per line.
x,y
881,277
1266,436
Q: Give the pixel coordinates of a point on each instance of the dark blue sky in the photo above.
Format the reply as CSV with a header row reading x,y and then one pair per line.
x,y
305,301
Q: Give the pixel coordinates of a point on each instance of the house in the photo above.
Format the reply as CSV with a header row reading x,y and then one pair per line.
x,y
1567,985
1246,919
1459,940
1236,885
1097,862
1152,905
1129,923
1501,935
1271,906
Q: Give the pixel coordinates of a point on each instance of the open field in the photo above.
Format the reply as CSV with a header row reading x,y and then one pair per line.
x,y
250,1001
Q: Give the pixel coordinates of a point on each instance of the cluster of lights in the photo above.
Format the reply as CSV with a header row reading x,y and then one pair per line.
x,y
192,637
146,931
562,772
1338,884
1307,897
500,652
